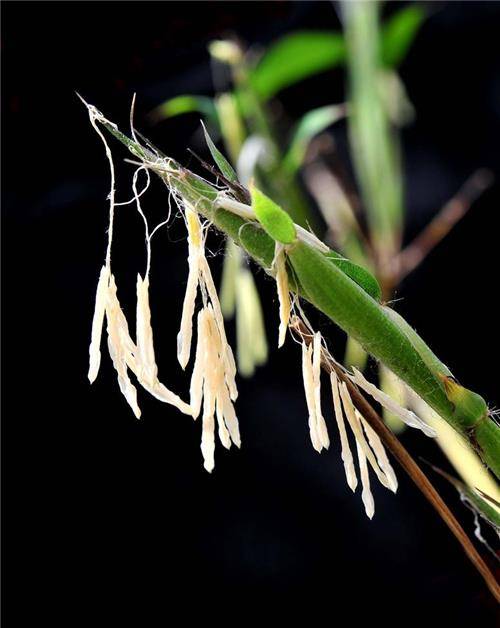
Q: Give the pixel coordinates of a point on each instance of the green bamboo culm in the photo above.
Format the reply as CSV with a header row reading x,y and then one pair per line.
x,y
330,284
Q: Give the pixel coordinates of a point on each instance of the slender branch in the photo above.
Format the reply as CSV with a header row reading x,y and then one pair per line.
x,y
454,210
409,465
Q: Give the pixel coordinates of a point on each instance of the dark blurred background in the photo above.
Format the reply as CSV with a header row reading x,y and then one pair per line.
x,y
108,519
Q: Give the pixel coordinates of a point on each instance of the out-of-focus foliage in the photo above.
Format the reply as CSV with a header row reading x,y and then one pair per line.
x,y
367,227
398,33
311,124
296,57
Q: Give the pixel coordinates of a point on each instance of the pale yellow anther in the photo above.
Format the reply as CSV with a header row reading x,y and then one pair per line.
x,y
193,227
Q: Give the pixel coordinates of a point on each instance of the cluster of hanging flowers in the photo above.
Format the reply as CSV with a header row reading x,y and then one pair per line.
x,y
213,389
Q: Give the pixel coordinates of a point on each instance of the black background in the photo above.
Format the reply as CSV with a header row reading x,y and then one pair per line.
x,y
108,519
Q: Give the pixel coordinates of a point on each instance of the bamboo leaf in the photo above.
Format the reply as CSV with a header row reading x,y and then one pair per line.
x,y
223,164
294,58
374,147
186,104
399,32
276,222
310,125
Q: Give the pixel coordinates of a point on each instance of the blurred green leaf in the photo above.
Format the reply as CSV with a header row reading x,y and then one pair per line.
x,y
223,164
186,104
398,33
375,147
227,292
276,222
311,124
296,57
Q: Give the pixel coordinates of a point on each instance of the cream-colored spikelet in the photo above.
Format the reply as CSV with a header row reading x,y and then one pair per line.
x,y
97,323
210,384
120,346
311,371
195,244
279,266
201,276
369,447
145,368
125,354
347,459
148,370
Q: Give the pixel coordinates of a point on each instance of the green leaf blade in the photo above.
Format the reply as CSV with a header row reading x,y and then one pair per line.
x,y
222,163
311,124
185,103
399,32
296,57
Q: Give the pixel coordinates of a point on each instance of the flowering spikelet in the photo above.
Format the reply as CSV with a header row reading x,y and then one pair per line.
x,y
309,391
97,323
380,453
195,244
144,335
311,371
209,383
200,275
369,447
316,372
347,459
145,367
279,264
355,425
366,493
125,354
121,347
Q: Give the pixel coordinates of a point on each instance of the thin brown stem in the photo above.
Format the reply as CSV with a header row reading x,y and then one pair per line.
x,y
454,210
408,463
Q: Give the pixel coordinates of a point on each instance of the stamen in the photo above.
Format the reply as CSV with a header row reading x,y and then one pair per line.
x,y
208,428
118,348
209,382
366,494
358,433
227,353
307,375
346,454
407,416
144,335
279,264
316,368
184,336
97,324
379,450
196,388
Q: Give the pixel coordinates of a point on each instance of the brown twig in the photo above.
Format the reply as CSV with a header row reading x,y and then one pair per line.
x,y
454,210
409,465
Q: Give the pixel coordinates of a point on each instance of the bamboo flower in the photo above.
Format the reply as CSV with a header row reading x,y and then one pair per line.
x,y
369,447
201,276
407,416
121,347
97,323
209,383
279,266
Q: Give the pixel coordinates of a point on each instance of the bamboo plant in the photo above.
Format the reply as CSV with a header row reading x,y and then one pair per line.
x,y
378,106
263,213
